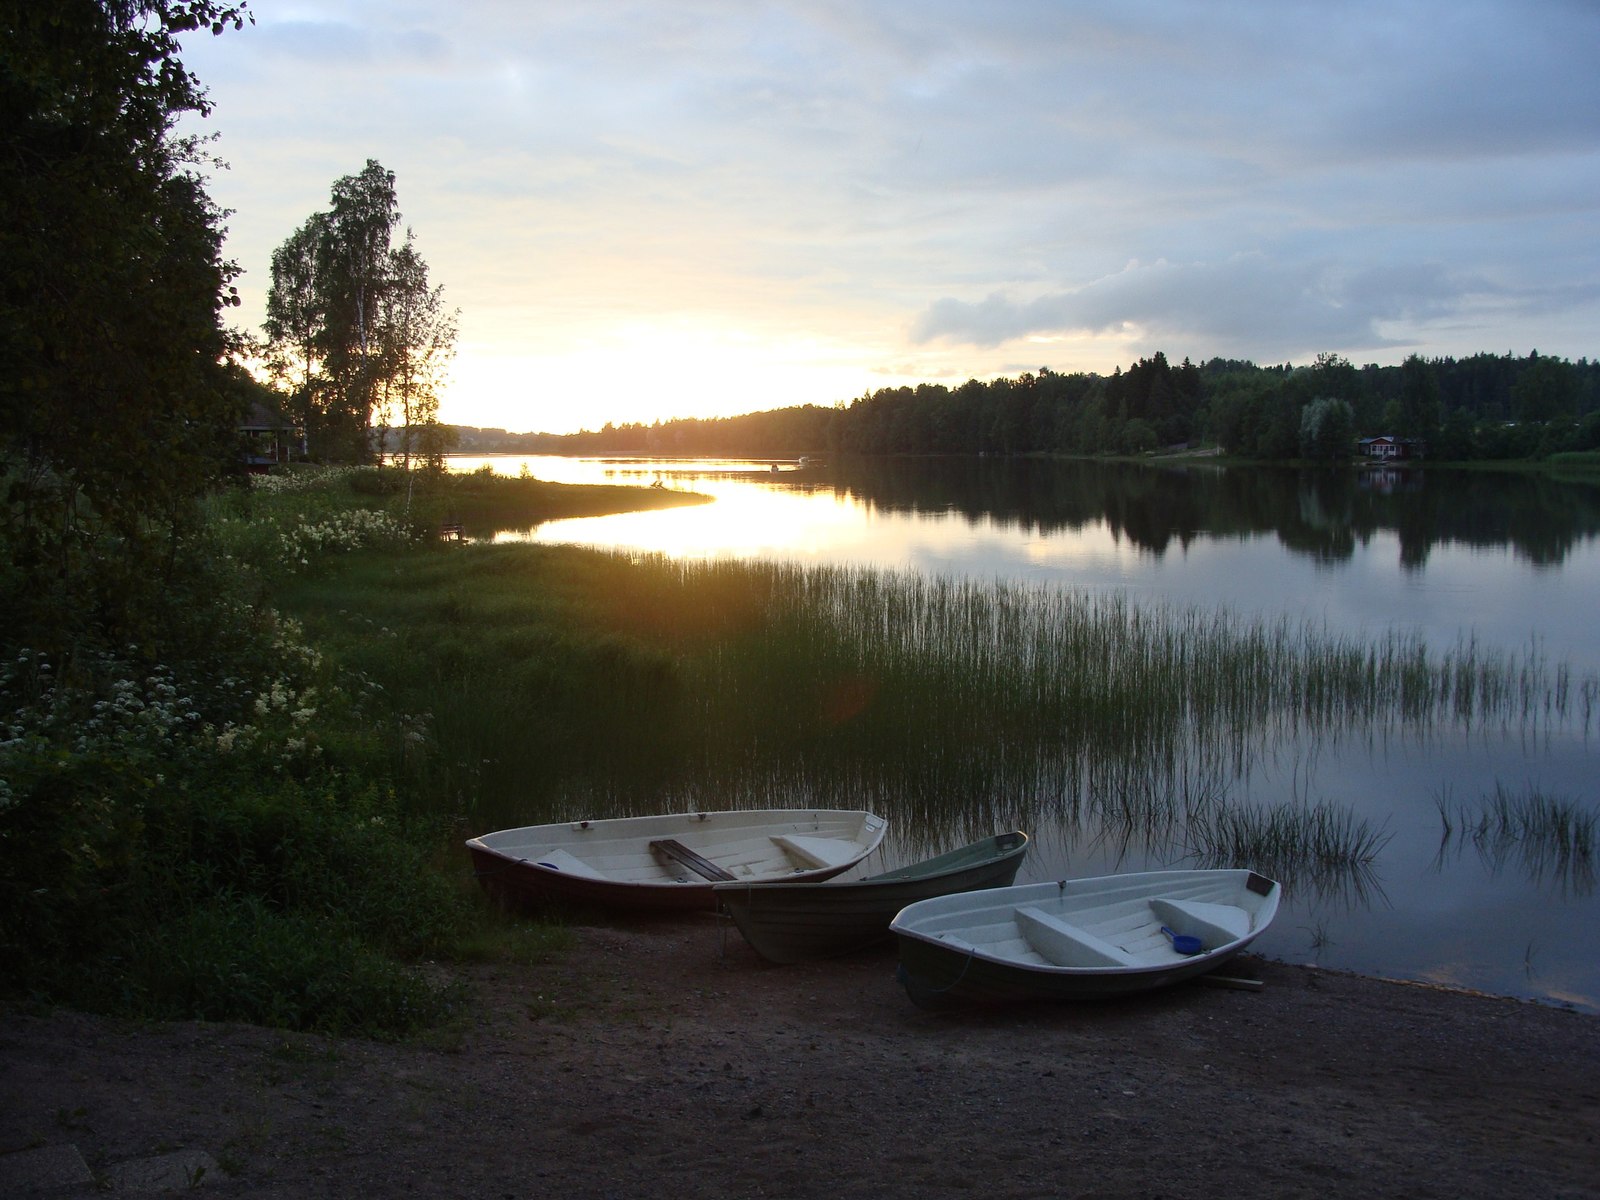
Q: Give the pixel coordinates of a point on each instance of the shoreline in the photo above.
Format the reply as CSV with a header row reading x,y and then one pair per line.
x,y
669,1056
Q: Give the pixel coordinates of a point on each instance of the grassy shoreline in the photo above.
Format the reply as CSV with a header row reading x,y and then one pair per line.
x,y
280,793
203,813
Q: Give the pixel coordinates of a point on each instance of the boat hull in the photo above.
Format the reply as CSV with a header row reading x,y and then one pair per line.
x,y
787,922
1079,939
668,862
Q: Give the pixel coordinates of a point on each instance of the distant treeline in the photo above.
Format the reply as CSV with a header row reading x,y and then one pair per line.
x,y
1483,407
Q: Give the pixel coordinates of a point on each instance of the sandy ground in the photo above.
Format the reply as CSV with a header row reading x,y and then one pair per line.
x,y
668,1059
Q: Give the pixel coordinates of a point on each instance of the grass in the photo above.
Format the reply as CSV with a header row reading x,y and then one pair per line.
x,y
1318,939
1586,460
570,683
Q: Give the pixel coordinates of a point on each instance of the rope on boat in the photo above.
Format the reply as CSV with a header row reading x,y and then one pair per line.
x,y
929,990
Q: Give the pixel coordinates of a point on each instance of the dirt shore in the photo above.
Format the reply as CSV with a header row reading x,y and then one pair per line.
x,y
670,1060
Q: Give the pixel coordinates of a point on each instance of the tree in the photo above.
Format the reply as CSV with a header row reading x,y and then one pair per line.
x,y
1456,440
1138,436
1327,429
354,260
294,315
1279,434
1546,390
1419,399
418,336
354,328
115,411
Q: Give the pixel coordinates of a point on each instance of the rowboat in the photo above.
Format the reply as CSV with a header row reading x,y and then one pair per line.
x,y
788,922
1080,938
671,861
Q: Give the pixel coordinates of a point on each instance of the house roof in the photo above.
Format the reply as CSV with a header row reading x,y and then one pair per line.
x,y
261,416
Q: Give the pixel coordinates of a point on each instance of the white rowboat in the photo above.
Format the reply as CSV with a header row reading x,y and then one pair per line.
x,y
670,861
1080,938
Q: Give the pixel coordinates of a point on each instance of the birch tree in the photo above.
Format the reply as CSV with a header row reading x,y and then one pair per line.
x,y
354,262
294,316
419,335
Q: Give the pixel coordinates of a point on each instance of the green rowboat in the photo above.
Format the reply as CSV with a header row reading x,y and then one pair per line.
x,y
789,922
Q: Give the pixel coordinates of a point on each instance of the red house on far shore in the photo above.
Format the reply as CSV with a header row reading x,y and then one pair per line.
x,y
1390,449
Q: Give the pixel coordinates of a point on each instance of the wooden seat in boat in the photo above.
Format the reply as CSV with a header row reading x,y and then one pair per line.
x,y
815,851
681,854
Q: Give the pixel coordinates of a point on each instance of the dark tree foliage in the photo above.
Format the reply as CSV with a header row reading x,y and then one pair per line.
x,y
1420,403
114,404
116,407
1327,429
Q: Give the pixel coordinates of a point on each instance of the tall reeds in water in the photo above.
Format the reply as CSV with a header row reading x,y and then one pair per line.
x,y
1549,837
1320,846
955,706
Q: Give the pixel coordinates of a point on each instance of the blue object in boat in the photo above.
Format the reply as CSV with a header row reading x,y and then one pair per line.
x,y
1183,943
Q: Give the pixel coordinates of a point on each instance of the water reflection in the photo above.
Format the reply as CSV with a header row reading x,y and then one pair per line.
x,y
1495,568
1325,514
1510,559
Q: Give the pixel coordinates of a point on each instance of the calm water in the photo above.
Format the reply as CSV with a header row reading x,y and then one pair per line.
x,y
1509,562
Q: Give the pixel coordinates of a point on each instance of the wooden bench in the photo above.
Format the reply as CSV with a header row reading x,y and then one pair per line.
x,y
452,530
679,853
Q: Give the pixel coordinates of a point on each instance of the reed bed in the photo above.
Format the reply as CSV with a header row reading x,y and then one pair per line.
x,y
1048,702
1318,847
559,683
1549,837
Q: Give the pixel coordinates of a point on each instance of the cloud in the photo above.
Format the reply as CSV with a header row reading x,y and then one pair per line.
x,y
932,185
1247,303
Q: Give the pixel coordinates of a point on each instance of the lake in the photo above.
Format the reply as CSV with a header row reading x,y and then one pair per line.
x,y
1484,875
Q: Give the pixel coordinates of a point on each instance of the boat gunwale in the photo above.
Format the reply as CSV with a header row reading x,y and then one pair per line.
x,y
886,879
789,922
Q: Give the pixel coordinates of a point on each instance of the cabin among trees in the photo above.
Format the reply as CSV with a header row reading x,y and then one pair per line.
x,y
270,439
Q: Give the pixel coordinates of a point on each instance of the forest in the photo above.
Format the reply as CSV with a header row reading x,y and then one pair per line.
x,y
1485,406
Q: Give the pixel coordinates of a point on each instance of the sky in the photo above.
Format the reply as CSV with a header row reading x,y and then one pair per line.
x,y
654,210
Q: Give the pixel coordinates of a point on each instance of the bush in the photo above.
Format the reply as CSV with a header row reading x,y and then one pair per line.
x,y
197,813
